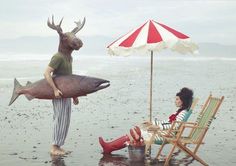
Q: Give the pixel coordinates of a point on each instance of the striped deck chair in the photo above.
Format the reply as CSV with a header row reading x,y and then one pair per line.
x,y
156,131
196,131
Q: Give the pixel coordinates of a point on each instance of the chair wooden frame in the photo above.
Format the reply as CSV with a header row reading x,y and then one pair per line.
x,y
155,130
197,132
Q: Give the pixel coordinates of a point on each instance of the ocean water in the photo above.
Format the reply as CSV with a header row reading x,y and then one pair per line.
x,y
32,62
76,56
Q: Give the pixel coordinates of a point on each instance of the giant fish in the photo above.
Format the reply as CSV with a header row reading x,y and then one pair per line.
x,y
69,85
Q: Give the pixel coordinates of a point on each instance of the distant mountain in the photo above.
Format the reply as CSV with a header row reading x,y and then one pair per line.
x,y
29,44
217,50
93,45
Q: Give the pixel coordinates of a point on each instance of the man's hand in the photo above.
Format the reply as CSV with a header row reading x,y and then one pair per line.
x,y
57,93
75,100
48,77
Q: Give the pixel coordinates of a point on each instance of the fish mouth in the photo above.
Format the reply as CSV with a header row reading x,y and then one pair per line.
x,y
102,85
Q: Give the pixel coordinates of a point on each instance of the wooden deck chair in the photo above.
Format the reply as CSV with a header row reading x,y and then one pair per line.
x,y
196,134
156,131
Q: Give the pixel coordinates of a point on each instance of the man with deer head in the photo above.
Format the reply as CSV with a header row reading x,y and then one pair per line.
x,y
61,64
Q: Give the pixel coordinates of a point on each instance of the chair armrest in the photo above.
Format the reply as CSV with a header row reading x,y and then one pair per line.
x,y
200,135
193,123
179,123
194,127
181,131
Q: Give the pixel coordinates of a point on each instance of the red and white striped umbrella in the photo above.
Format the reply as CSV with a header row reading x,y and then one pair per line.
x,y
152,37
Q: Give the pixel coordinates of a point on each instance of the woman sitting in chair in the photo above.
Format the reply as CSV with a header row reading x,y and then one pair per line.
x,y
183,101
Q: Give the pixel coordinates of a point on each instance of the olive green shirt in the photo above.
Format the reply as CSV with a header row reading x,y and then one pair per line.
x,y
61,64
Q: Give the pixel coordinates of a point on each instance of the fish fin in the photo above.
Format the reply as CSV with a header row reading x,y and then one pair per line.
x,y
17,86
29,97
28,83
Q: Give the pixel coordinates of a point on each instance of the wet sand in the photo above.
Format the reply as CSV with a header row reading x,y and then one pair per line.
x,y
26,126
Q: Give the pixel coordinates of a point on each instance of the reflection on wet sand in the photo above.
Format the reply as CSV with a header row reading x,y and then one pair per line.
x,y
187,160
118,160
57,160
121,160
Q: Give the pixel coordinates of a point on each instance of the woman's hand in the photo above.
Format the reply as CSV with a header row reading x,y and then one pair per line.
x,y
146,124
75,100
153,128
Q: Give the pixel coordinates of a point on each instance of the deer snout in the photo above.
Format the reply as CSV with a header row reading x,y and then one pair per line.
x,y
77,43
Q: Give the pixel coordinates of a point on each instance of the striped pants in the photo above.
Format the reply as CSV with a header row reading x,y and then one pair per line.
x,y
158,139
61,120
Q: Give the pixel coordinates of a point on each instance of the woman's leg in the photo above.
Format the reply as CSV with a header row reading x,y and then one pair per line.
x,y
114,145
120,142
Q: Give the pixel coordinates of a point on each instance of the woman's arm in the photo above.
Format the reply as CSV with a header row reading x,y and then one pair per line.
x,y
181,116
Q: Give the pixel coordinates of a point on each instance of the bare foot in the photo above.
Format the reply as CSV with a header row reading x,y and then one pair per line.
x,y
66,152
56,150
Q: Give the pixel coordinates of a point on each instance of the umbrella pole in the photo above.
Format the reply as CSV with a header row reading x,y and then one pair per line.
x,y
151,87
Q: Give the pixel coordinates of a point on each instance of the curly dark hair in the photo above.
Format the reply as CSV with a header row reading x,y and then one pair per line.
x,y
186,96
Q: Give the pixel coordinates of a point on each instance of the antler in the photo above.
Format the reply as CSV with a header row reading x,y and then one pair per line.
x,y
55,27
79,26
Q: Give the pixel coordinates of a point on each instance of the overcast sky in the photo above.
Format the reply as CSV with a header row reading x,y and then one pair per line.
x,y
202,20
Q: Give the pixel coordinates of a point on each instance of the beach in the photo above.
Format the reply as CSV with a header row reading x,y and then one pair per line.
x,y
26,126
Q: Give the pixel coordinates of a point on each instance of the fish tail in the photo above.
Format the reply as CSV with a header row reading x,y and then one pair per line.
x,y
15,94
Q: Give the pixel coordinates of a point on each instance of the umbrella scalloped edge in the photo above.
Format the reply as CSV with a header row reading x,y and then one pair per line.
x,y
183,46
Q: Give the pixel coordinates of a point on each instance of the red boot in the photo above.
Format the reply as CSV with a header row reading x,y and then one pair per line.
x,y
117,144
136,133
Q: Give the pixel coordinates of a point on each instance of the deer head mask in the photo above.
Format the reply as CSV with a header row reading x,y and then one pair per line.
x,y
68,40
